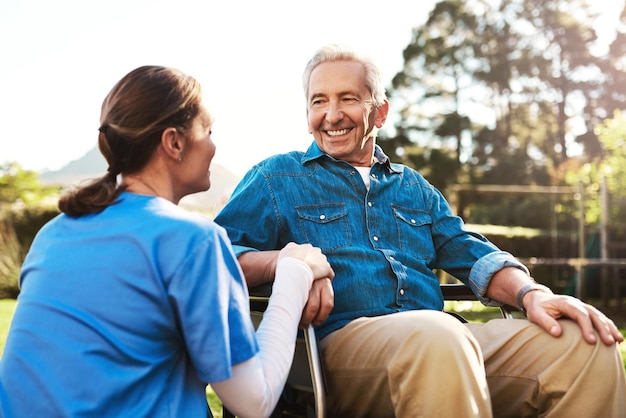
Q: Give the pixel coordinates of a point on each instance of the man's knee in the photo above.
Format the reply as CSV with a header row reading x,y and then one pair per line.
x,y
434,337
604,360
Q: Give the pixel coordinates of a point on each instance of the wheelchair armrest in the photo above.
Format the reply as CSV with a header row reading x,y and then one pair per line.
x,y
462,292
457,292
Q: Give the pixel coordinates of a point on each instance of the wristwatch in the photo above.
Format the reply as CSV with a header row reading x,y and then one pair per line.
x,y
529,288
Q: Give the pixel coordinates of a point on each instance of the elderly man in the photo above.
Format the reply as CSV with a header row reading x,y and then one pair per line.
x,y
388,348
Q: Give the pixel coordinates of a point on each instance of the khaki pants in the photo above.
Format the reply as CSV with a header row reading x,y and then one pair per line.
x,y
429,364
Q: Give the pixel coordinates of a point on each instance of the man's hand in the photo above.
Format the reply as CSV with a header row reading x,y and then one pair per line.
x,y
321,296
260,267
321,302
544,309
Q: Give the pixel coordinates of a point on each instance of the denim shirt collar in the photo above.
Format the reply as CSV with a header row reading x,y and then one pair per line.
x,y
314,152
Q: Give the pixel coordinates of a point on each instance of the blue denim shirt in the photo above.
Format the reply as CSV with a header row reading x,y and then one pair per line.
x,y
383,243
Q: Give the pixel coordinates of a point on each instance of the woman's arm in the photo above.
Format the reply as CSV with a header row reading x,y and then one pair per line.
x,y
255,385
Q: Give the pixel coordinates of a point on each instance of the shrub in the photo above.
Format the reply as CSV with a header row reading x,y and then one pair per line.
x,y
11,258
17,231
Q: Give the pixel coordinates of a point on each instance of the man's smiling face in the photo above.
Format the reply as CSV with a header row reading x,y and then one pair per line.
x,y
340,112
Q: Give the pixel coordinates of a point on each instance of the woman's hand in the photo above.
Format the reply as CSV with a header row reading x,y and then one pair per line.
x,y
310,255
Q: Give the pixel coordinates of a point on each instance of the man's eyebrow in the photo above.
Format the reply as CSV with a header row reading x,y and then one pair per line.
x,y
316,95
349,93
340,94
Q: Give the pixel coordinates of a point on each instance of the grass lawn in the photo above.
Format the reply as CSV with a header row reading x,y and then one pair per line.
x,y
473,311
7,307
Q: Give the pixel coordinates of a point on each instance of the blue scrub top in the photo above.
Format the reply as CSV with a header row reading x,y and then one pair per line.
x,y
128,312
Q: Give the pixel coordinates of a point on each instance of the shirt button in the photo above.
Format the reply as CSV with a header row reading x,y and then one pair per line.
x,y
373,176
402,292
392,258
375,238
413,221
322,217
369,204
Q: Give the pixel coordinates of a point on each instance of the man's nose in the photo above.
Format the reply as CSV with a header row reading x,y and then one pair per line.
x,y
334,113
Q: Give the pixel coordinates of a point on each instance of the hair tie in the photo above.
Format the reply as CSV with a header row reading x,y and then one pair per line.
x,y
113,170
103,129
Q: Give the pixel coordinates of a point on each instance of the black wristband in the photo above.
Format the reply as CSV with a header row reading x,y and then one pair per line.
x,y
526,289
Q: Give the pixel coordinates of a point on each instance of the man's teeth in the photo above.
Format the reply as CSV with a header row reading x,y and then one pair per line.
x,y
337,133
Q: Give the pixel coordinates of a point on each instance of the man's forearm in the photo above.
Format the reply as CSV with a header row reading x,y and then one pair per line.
x,y
506,283
258,266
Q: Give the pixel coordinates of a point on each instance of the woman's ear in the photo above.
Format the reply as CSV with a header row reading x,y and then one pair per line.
x,y
173,143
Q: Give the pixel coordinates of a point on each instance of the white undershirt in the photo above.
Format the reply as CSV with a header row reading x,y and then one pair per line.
x,y
256,384
365,175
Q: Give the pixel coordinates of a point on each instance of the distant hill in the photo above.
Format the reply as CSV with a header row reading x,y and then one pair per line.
x,y
93,165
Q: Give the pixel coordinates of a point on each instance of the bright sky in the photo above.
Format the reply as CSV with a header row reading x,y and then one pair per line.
x,y
60,58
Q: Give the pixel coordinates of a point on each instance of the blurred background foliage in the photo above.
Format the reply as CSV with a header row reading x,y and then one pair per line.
x,y
25,206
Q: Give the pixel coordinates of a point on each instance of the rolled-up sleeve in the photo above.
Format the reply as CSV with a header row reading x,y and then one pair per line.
x,y
484,269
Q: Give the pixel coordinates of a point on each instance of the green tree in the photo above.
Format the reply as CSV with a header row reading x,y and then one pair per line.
x,y
11,258
611,94
22,187
437,75
569,72
504,87
612,136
